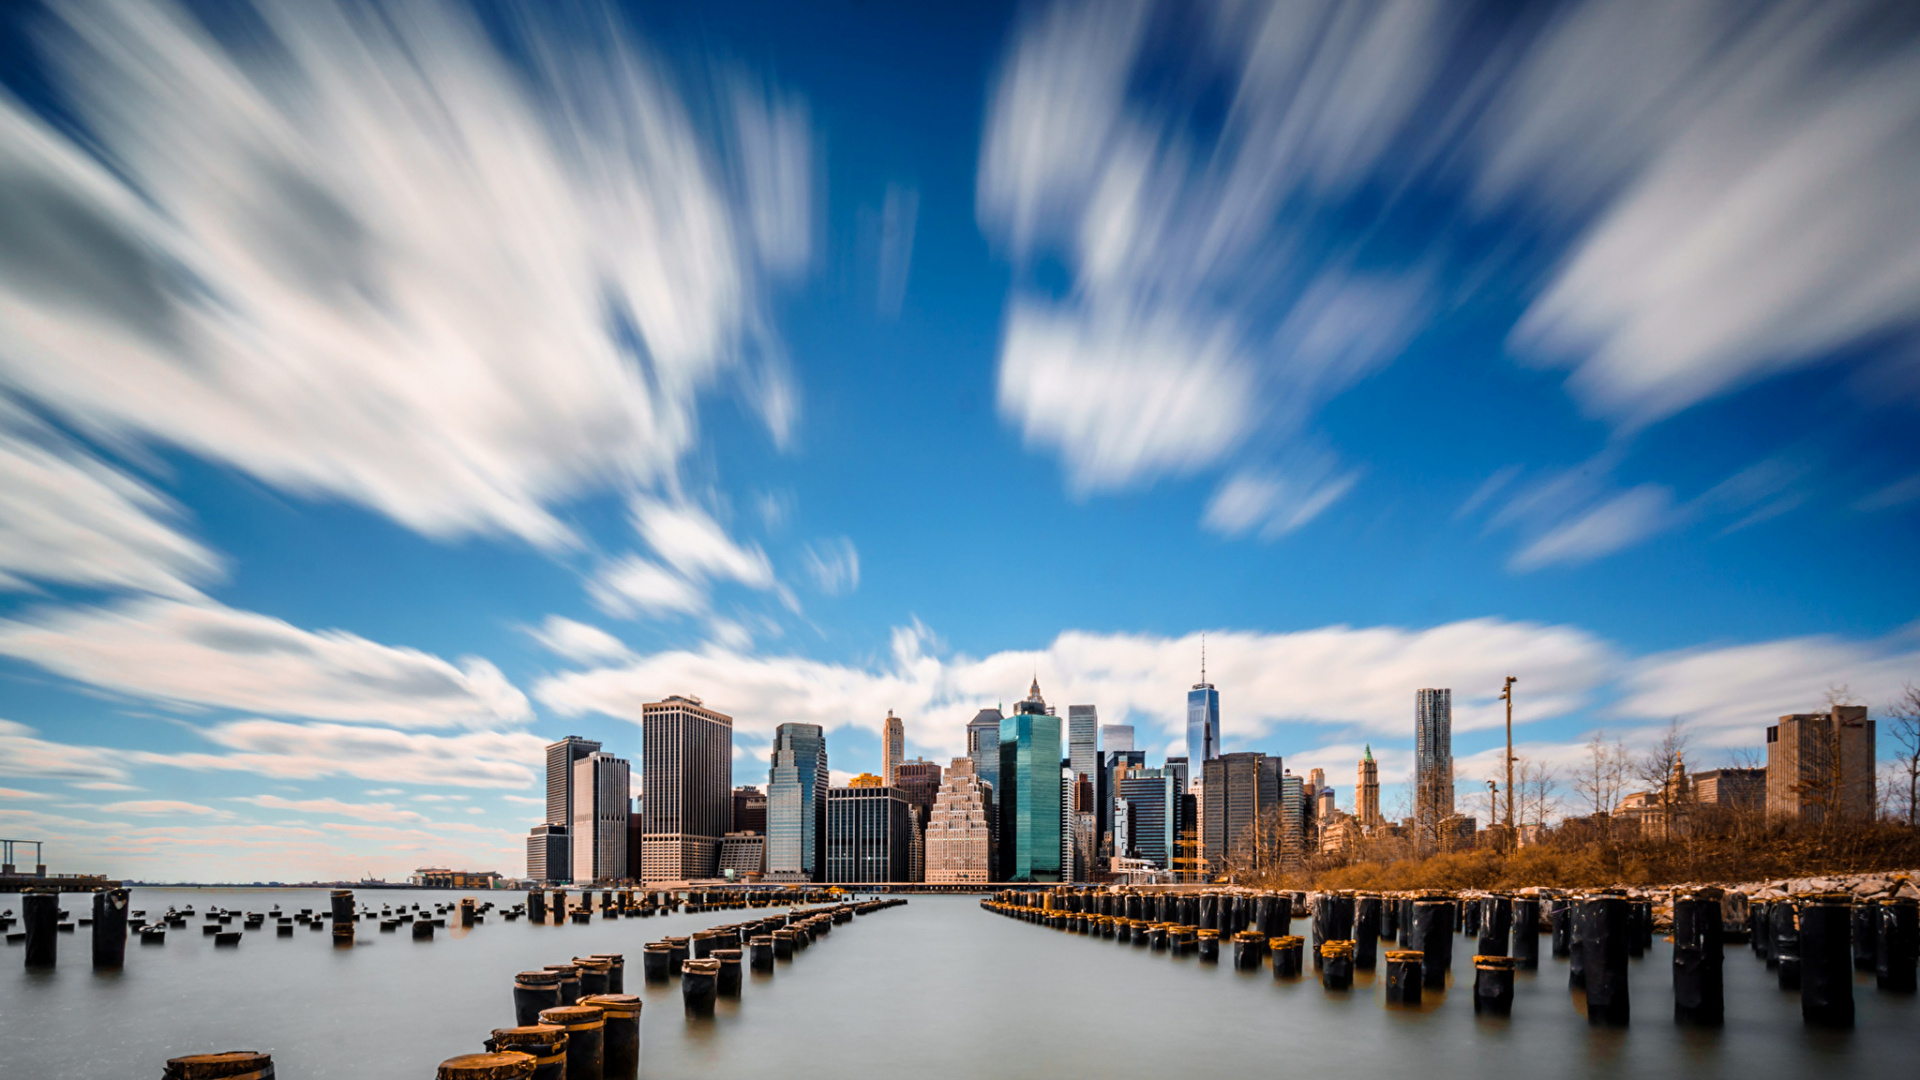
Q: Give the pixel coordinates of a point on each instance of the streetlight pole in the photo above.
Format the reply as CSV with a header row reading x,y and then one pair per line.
x,y
1506,694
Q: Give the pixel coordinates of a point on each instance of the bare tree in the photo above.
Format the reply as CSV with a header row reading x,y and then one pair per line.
x,y
1903,723
1659,769
1601,775
1539,792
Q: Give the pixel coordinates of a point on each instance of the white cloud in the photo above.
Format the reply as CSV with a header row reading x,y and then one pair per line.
x,y
834,566
691,541
205,654
1193,320
1615,524
25,755
289,751
163,807
373,259
1728,693
1766,212
1282,685
1122,399
16,793
67,517
577,640
1274,504
632,586
363,811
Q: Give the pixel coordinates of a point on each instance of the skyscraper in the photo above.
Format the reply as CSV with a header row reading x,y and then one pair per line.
x,y
1822,762
687,765
1240,790
959,844
893,747
866,835
1147,818
1432,762
749,810
797,804
918,781
1029,792
1203,721
552,845
1366,793
599,827
1294,812
983,746
1083,739
1116,737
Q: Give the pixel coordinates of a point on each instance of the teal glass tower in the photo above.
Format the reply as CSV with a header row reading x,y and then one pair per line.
x,y
1029,792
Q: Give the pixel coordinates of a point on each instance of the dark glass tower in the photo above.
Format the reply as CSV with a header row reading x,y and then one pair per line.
x,y
1029,792
797,804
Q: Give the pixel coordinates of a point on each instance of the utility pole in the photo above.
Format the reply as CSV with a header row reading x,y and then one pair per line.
x,y
1506,694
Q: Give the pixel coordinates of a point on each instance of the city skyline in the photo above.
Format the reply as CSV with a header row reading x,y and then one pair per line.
x,y
1381,405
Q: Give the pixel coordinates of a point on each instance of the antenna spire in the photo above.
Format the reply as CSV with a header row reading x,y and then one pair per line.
x,y
1203,657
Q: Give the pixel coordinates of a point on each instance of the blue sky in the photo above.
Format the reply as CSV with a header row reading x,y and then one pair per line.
x,y
381,398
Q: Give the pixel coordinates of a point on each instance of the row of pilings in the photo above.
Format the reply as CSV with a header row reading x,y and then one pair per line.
x,y
112,924
599,1038
1815,941
574,1021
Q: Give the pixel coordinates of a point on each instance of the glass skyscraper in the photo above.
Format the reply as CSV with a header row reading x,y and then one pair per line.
x,y
1029,792
983,745
797,804
1432,760
1150,807
1116,737
1203,724
1083,739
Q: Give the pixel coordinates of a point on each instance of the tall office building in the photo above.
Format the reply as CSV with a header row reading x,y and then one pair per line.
x,y
1239,790
749,810
1147,816
1294,814
959,843
554,843
599,828
866,835
687,776
1029,792
893,747
1432,761
1115,764
1083,739
797,804
1324,805
983,746
918,781
1203,721
547,855
1821,762
1366,792
1116,737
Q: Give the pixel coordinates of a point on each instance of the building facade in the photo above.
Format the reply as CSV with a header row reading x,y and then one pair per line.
x,y
601,783
866,835
548,854
1083,739
687,770
1029,792
749,810
1822,763
959,841
1238,790
983,746
1737,789
1366,791
797,804
893,746
744,854
1115,737
1147,812
918,781
1203,723
1432,761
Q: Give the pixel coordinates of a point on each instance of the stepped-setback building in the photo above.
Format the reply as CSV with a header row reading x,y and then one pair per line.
x,y
959,839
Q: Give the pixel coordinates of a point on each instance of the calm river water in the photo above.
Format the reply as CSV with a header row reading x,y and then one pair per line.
x,y
937,988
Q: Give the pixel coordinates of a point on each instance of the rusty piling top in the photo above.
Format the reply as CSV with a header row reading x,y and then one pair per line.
x,y
226,1065
508,1065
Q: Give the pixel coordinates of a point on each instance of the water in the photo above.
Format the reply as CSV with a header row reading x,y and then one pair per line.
x,y
937,988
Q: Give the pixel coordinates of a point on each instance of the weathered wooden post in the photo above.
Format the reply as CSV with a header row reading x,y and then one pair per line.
x,y
1247,950
1603,923
534,992
699,986
40,921
109,929
1826,960
620,1039
229,1065
1366,932
1287,961
1526,932
616,971
1699,996
1492,980
1404,976
569,977
1336,972
593,975
545,1043
1899,930
511,1065
728,982
1433,938
1784,954
343,917
586,1038
1496,926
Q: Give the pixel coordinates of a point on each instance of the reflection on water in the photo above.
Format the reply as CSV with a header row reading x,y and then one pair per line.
x,y
936,989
